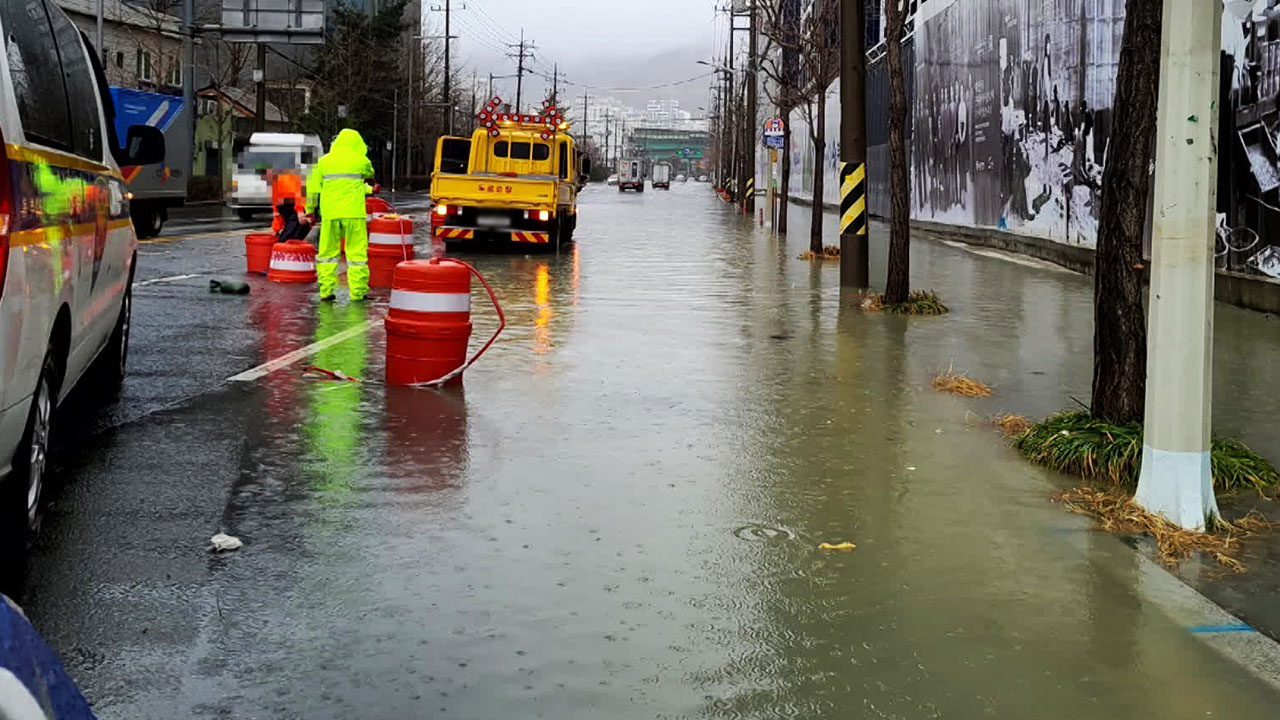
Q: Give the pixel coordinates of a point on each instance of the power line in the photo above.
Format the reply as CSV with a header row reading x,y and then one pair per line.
x,y
625,89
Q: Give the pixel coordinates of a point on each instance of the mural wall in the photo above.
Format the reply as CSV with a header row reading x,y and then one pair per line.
x,y
1011,118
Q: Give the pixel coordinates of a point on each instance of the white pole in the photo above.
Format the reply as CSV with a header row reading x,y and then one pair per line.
x,y
1176,481
102,51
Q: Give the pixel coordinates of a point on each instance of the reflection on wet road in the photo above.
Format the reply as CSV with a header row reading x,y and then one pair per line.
x,y
617,518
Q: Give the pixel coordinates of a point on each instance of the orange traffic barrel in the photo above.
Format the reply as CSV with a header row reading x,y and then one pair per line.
x,y
257,252
292,262
429,323
390,242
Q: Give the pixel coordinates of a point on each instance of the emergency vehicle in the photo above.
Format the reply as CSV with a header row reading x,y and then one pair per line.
x,y
516,179
67,247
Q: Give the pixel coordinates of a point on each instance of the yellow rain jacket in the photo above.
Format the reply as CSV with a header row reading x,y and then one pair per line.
x,y
339,179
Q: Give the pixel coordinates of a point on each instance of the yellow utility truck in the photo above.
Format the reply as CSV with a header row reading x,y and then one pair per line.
x,y
516,181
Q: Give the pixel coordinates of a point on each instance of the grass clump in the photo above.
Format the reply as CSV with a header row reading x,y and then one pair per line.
x,y
1077,443
830,252
1117,513
920,302
961,385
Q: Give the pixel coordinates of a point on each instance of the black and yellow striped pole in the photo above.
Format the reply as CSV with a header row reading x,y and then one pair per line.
x,y
749,197
854,248
853,199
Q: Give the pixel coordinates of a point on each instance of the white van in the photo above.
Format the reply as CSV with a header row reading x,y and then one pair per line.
x,y
67,247
250,191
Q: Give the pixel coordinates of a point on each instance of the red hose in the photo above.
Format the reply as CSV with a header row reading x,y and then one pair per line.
x,y
502,324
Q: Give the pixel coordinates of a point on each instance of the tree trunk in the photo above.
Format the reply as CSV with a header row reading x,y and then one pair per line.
x,y
898,283
784,184
1120,330
819,172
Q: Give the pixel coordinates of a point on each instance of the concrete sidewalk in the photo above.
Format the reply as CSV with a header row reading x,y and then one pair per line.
x,y
1026,327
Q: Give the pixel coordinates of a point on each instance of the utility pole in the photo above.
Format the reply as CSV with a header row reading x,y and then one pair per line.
x,y
525,50
607,137
408,146
102,51
854,247
584,112
448,79
1176,481
446,102
555,81
475,77
395,130
188,68
750,127
733,122
260,78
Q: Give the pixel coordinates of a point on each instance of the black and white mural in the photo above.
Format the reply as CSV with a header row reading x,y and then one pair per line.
x,y
1012,113
1012,118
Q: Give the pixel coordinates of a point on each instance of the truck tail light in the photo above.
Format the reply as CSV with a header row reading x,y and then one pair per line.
x,y
443,210
540,215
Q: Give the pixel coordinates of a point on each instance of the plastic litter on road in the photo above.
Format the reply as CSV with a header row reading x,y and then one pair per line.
x,y
223,542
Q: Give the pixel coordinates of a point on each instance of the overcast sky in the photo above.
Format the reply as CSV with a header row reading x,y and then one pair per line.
x,y
605,43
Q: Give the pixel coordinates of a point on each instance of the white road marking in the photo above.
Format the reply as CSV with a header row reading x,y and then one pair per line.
x,y
157,281
290,358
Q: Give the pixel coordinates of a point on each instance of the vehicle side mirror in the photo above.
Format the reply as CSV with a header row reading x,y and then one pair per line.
x,y
144,145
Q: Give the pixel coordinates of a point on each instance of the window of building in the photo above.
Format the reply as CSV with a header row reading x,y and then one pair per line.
x,y
119,59
32,51
174,76
143,65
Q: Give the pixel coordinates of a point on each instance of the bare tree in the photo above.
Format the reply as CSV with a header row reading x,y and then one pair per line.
x,y
898,282
819,47
1120,331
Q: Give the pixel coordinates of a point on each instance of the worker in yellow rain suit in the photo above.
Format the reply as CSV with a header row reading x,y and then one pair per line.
x,y
338,178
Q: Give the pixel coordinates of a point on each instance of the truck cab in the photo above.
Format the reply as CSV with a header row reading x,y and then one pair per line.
x,y
517,183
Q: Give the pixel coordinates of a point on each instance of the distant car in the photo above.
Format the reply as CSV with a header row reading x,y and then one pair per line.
x,y
702,178
613,179
682,178
67,249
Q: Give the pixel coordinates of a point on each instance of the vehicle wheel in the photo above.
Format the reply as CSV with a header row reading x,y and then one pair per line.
x,y
245,214
111,362
570,227
22,493
147,221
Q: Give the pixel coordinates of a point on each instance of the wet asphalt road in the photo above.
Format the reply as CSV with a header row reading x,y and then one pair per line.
x,y
617,516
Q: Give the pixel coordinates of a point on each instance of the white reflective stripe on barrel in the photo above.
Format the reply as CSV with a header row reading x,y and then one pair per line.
x,y
430,302
281,264
386,239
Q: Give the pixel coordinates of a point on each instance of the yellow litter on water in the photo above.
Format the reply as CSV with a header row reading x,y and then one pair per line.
x,y
839,546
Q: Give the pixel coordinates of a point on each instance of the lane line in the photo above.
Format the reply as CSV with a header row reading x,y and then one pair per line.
x,y
156,281
290,358
1233,628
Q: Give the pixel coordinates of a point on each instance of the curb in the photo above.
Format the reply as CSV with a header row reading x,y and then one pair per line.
x,y
1231,637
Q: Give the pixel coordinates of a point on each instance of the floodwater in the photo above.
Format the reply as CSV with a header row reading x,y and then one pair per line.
x,y
618,515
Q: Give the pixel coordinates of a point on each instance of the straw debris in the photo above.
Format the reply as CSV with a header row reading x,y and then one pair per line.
x,y
830,252
1117,513
961,385
1012,425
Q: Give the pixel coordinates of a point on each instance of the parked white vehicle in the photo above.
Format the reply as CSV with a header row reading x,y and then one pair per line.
x,y
250,190
67,247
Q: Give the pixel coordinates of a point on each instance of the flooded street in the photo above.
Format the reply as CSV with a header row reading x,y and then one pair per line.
x,y
618,515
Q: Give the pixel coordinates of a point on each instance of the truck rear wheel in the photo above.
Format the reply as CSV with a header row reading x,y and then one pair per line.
x,y
245,214
148,219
